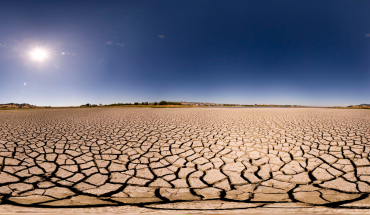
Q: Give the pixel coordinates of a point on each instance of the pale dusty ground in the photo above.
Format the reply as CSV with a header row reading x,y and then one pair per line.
x,y
133,210
270,160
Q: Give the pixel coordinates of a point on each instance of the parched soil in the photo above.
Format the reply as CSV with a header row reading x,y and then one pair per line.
x,y
188,158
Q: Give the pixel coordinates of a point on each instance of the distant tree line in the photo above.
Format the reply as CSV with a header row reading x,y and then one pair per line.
x,y
135,103
89,105
118,104
169,103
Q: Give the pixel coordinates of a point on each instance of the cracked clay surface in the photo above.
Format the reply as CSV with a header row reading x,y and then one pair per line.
x,y
231,158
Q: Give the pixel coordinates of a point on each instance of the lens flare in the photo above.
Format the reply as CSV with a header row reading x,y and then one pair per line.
x,y
39,55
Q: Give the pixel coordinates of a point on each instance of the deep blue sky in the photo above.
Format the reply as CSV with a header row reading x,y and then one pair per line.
x,y
313,52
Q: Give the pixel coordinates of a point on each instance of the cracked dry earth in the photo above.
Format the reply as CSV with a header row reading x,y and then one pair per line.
x,y
188,158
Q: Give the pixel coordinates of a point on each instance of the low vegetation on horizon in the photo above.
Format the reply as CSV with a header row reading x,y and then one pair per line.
x,y
138,104
168,104
15,106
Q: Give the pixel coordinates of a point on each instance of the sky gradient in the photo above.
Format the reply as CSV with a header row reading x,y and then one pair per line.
x,y
313,52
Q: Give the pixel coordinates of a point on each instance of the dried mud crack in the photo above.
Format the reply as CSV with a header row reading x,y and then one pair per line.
x,y
183,158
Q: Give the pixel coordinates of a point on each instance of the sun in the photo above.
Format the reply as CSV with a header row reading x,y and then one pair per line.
x,y
39,55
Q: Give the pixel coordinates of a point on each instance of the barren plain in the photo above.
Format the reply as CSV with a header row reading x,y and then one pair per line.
x,y
186,158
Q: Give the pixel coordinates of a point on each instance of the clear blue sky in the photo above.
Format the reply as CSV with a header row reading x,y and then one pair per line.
x,y
313,52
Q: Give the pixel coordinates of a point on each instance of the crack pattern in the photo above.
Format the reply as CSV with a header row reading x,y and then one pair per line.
x,y
115,156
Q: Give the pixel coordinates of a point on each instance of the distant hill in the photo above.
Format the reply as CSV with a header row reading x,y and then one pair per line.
x,y
360,106
16,105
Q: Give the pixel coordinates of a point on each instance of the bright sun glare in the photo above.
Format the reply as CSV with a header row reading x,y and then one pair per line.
x,y
38,54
